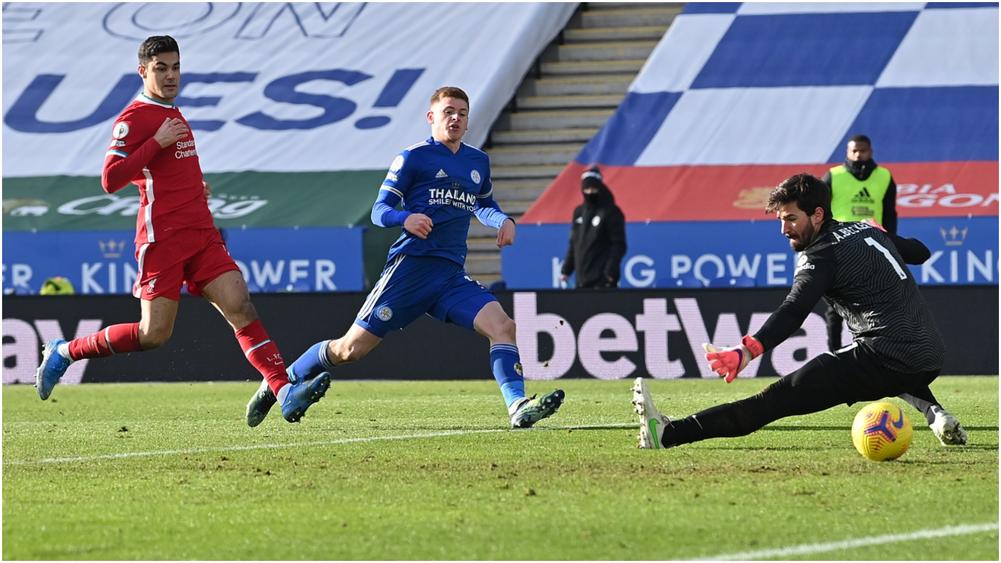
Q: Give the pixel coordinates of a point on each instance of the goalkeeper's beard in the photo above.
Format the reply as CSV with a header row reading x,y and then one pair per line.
x,y
804,239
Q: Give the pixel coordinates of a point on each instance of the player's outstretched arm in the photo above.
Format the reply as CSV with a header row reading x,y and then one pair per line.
x,y
814,275
728,362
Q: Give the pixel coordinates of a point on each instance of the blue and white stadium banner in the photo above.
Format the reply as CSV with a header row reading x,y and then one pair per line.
x,y
738,96
103,262
272,87
745,254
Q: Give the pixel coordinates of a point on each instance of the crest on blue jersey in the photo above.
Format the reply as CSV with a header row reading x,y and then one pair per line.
x,y
475,175
384,313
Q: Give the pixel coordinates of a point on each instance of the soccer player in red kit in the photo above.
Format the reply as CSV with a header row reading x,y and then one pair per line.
x,y
176,240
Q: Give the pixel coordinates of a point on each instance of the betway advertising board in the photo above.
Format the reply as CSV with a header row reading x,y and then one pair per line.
x,y
103,262
281,87
604,334
745,253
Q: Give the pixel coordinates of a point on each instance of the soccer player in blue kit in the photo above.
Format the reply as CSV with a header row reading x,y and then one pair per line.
x,y
441,182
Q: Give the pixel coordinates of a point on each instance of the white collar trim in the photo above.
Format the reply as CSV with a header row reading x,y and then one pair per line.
x,y
142,97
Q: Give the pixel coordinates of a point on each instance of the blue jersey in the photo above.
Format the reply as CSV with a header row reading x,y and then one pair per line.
x,y
447,187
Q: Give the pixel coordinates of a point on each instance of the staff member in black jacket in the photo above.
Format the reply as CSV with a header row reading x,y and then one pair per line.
x,y
597,237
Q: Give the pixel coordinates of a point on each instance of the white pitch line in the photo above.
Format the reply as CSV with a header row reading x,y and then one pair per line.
x,y
804,549
156,453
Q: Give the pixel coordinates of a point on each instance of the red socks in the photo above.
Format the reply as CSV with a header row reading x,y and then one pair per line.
x,y
261,351
263,354
114,339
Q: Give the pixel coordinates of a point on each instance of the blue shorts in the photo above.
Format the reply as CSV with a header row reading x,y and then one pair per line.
x,y
411,286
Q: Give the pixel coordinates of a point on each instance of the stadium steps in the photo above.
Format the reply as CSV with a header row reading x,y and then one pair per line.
x,y
528,103
552,119
592,68
536,153
572,135
639,33
598,15
482,266
604,51
505,173
576,85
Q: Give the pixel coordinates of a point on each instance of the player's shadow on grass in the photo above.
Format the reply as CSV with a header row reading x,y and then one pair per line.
x,y
919,461
917,428
766,448
983,447
607,426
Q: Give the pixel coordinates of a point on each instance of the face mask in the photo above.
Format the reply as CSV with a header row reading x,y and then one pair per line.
x,y
860,167
591,198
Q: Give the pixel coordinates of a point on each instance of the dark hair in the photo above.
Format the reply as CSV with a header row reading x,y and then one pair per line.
x,y
449,92
860,139
808,191
155,45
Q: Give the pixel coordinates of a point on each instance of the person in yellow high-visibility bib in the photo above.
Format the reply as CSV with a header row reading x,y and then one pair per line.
x,y
860,190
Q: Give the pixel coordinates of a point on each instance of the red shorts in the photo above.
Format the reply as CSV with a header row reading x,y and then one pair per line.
x,y
194,256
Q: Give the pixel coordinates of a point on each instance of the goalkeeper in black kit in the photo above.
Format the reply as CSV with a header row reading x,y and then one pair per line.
x,y
859,269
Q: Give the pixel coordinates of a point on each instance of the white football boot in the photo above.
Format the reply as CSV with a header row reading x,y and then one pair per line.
x,y
652,423
947,428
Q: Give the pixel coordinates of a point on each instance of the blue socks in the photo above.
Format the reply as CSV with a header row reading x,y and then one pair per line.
x,y
506,366
311,363
505,363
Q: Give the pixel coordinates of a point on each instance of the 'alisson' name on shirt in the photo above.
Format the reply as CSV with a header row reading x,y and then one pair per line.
x,y
849,230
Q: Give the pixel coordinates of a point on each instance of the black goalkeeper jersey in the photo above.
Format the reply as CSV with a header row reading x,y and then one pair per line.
x,y
860,271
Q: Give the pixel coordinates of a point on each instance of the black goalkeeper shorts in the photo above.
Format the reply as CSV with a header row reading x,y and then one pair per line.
x,y
848,376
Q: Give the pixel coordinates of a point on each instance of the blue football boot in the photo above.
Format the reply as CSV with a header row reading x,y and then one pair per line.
x,y
263,399
302,395
53,367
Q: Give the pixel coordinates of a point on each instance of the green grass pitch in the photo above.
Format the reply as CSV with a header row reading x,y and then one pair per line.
x,y
429,470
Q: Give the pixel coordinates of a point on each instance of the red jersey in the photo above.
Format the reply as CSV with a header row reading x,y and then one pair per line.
x,y
171,194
